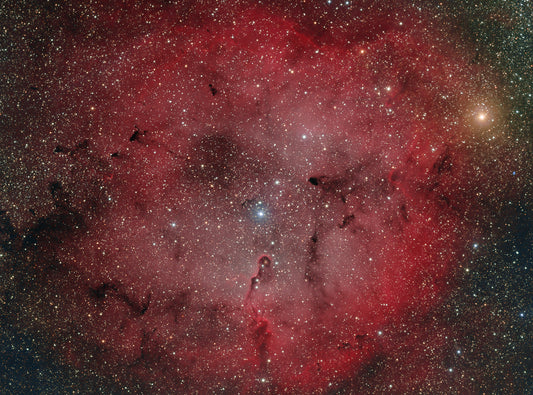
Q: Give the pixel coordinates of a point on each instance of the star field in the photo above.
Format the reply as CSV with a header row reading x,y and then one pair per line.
x,y
266,197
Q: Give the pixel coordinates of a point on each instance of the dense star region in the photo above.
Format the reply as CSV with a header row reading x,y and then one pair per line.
x,y
249,198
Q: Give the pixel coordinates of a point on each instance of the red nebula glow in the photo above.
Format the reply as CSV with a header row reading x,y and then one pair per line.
x,y
347,138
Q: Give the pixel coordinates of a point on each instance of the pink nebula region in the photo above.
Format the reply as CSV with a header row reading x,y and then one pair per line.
x,y
257,198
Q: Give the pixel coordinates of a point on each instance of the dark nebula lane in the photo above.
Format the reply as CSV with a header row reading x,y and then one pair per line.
x,y
252,198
